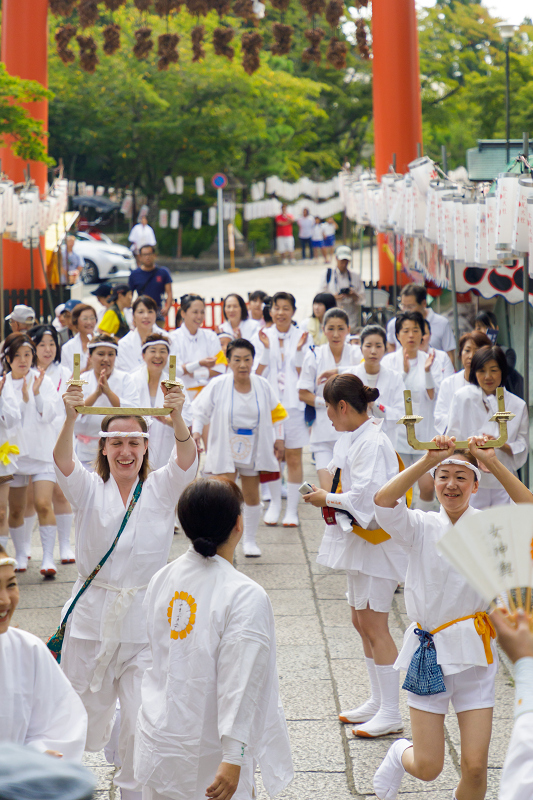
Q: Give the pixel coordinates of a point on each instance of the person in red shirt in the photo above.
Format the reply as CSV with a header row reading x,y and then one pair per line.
x,y
284,235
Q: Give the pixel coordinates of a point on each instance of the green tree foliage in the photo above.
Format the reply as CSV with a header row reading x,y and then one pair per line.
x,y
462,66
24,133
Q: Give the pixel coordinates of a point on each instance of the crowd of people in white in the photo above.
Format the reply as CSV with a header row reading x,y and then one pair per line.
x,y
188,649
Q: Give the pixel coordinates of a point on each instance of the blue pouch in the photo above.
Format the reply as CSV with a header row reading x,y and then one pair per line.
x,y
424,675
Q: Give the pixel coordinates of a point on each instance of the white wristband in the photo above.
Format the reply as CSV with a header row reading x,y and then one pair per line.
x,y
319,402
430,383
232,751
192,366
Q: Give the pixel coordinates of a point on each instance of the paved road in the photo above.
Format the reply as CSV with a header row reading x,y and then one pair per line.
x,y
320,662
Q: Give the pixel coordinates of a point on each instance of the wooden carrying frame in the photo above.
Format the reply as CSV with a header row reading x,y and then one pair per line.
x,y
125,411
502,417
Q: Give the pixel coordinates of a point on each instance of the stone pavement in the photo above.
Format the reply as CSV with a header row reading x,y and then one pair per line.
x,y
320,663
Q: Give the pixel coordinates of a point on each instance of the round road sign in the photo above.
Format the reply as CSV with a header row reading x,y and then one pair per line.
x,y
219,180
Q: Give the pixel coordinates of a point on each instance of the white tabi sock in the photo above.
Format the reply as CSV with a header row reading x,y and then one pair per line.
x,y
48,540
29,525
64,526
252,515
424,505
290,520
274,510
371,707
389,776
388,719
17,536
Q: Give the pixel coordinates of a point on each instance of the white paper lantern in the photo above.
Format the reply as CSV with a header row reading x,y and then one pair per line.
x,y
448,209
197,220
200,187
174,219
420,211
163,218
169,184
507,191
179,184
459,231
212,215
423,172
480,248
491,203
430,227
520,238
89,190
100,190
469,231
530,230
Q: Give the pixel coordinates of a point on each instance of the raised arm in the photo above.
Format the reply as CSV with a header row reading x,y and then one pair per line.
x,y
388,495
185,446
64,449
517,491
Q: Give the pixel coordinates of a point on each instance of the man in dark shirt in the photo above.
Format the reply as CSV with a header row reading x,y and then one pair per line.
x,y
154,281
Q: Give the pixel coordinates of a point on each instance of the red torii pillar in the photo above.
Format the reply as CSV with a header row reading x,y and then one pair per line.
x,y
25,54
396,94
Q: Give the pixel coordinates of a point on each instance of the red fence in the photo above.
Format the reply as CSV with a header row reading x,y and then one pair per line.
x,y
213,314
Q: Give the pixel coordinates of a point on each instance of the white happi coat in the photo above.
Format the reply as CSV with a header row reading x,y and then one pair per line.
x,y
517,774
37,433
110,611
214,674
87,426
130,354
70,348
422,404
367,461
317,361
10,421
391,387
213,407
281,371
39,707
470,412
246,329
434,592
161,440
447,391
189,349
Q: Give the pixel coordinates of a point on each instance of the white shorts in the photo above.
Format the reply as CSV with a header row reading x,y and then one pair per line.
x,y
367,590
468,690
285,244
295,431
20,480
323,453
247,472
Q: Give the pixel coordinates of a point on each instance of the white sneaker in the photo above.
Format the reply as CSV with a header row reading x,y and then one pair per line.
x,y
361,714
379,725
389,776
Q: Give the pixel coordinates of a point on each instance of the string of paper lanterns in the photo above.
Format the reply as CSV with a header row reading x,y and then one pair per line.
x,y
24,216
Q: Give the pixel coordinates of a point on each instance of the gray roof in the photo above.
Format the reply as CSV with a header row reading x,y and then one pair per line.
x,y
485,161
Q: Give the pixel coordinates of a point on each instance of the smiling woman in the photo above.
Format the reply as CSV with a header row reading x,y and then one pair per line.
x,y
125,503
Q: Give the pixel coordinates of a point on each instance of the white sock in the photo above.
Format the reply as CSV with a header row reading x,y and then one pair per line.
x,y
424,505
293,498
370,707
274,510
17,537
48,540
375,691
265,492
64,526
389,686
29,525
252,515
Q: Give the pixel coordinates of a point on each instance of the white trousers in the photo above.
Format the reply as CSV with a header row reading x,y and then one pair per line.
x,y
122,681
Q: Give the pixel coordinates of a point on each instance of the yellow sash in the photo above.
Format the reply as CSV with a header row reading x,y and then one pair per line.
x,y
6,450
484,628
378,536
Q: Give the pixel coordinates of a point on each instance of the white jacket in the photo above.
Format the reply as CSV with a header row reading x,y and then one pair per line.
x,y
281,371
213,641
390,386
37,433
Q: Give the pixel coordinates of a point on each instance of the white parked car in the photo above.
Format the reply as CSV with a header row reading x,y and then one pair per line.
x,y
103,258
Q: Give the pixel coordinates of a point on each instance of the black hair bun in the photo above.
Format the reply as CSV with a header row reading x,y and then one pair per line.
x,y
371,394
205,547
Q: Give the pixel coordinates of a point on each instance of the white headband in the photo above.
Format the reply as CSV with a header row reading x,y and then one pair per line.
x,y
115,434
460,463
8,562
94,345
156,341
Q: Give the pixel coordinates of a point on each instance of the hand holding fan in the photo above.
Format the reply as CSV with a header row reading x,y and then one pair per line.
x,y
493,550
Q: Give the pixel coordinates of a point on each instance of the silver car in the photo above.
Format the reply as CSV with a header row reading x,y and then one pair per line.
x,y
103,258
